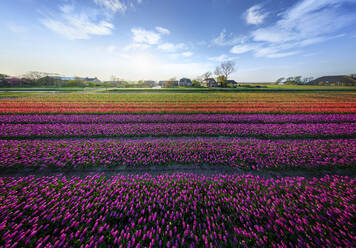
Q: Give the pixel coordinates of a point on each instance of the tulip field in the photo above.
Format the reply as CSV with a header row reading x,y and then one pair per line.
x,y
252,133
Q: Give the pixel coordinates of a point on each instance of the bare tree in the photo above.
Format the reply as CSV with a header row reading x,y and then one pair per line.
x,y
226,68
206,75
218,71
279,80
114,78
307,80
2,76
35,75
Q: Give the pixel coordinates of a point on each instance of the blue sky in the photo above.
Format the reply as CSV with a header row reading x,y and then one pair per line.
x,y
161,39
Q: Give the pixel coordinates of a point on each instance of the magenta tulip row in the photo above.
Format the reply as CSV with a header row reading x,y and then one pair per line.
x,y
181,210
190,118
241,153
305,130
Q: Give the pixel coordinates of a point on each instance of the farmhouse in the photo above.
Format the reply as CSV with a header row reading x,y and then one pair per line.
x,y
209,82
15,82
94,80
150,83
168,83
185,82
334,80
60,78
232,82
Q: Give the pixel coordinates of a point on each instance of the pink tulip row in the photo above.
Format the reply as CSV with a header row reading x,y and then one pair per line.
x,y
241,153
172,118
181,210
60,130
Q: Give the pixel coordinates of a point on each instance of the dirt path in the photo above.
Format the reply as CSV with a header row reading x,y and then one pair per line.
x,y
205,170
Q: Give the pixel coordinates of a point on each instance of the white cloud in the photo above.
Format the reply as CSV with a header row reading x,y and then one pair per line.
x,y
163,30
307,22
223,57
238,49
74,25
170,47
255,15
187,54
112,5
136,46
276,54
143,39
314,40
145,36
224,39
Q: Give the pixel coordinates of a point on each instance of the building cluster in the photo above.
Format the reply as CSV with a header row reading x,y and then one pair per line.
x,y
40,79
8,81
184,82
62,81
339,80
336,80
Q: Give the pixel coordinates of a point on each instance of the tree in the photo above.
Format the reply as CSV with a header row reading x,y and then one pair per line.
x,y
307,80
217,71
75,83
196,83
2,76
114,78
298,79
107,85
206,75
49,81
221,80
279,80
35,75
290,80
225,69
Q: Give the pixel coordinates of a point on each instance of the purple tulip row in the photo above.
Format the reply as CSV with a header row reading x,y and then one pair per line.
x,y
241,153
181,210
191,118
305,130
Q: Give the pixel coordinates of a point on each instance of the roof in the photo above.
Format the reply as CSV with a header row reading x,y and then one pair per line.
x,y
334,79
185,80
209,79
62,78
91,79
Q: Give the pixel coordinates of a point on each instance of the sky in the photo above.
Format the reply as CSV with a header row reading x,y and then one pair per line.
x,y
162,39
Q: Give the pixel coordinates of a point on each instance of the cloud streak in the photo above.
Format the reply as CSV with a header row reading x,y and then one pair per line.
x,y
141,35
307,22
112,5
163,30
224,39
255,15
73,25
170,47
223,57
